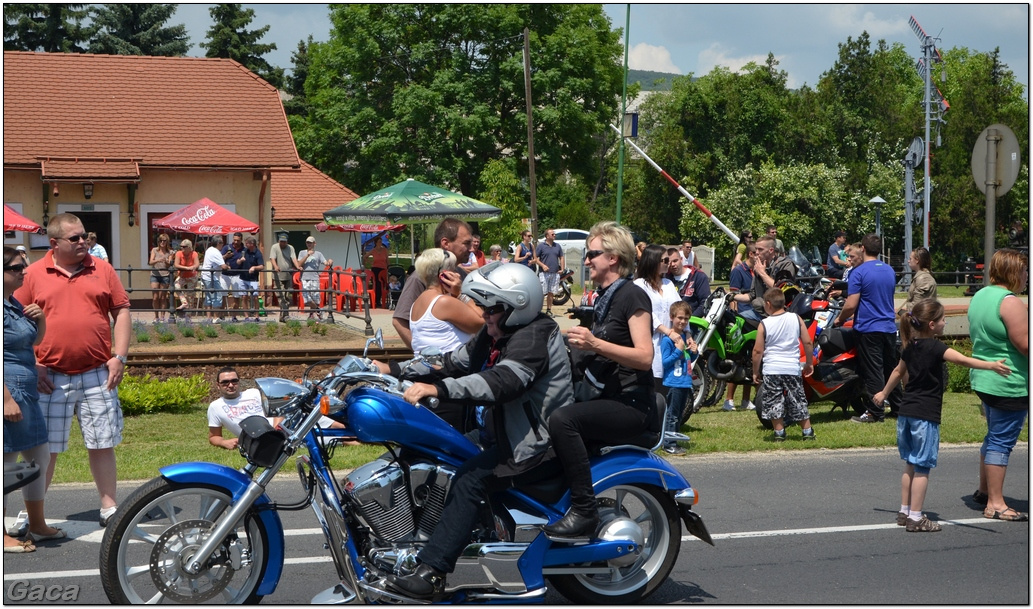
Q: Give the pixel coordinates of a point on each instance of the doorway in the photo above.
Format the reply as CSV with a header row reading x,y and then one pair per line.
x,y
100,219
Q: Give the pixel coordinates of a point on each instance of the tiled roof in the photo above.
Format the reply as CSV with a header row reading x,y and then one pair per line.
x,y
304,196
102,169
162,111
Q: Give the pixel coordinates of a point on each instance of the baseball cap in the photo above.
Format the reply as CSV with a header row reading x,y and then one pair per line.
x,y
310,239
20,248
838,234
281,236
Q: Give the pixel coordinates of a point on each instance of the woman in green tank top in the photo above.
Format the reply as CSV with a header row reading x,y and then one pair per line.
x,y
999,326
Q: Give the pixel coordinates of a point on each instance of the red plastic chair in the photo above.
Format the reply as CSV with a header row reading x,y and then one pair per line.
x,y
296,297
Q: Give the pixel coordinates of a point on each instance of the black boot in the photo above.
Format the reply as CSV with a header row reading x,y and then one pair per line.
x,y
573,524
425,582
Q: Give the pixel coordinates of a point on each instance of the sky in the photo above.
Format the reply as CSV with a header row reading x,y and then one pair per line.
x,y
694,38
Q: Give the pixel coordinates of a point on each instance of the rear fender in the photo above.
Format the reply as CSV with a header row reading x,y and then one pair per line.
x,y
235,483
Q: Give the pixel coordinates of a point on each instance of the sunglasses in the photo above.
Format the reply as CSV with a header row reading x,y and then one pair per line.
x,y
495,309
591,255
17,268
74,238
665,261
229,381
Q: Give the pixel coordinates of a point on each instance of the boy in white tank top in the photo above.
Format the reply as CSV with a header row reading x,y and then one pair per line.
x,y
778,347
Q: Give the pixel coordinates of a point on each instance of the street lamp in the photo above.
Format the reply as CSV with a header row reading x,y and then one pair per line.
x,y
878,202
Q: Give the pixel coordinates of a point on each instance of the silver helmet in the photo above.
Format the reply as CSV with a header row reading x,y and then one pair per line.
x,y
513,286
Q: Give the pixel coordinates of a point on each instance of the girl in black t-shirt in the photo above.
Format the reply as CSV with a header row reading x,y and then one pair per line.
x,y
616,395
918,422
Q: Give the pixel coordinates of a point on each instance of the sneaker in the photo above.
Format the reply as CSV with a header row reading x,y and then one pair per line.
x,y
675,450
728,405
20,526
901,519
867,418
216,321
234,319
106,514
747,405
922,526
780,436
808,434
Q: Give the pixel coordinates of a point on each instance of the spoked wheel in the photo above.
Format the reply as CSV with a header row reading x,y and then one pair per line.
x,y
630,581
152,538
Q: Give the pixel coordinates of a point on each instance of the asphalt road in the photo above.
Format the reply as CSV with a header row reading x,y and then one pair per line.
x,y
799,527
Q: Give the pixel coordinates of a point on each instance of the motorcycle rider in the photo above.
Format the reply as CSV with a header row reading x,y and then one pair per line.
x,y
517,366
768,269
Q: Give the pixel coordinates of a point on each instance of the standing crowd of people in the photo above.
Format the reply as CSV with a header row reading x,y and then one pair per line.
x,y
543,401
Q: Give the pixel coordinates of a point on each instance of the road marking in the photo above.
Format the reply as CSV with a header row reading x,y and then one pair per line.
x,y
821,530
95,536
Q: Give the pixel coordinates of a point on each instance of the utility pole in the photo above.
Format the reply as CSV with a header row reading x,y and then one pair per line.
x,y
530,133
624,110
930,54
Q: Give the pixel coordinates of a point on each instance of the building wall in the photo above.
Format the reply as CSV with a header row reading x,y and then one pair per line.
x,y
159,192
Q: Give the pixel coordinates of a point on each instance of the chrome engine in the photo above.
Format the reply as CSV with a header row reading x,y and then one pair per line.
x,y
398,502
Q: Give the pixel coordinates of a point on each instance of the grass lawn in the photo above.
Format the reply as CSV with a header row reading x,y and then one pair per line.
x,y
153,441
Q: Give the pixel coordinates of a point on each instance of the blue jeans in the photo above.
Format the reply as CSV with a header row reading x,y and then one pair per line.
x,y
677,398
1002,431
746,310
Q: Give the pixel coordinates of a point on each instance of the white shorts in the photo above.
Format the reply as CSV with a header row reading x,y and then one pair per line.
x,y
85,396
550,282
310,290
237,286
250,287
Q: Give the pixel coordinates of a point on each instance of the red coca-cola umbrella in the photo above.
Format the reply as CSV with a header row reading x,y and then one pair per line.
x,y
15,221
206,217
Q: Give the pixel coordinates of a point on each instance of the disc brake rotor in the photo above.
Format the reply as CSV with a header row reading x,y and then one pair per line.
x,y
171,554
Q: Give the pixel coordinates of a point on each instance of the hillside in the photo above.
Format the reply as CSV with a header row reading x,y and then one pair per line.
x,y
648,79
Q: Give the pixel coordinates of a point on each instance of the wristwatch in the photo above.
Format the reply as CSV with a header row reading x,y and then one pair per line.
x,y
121,358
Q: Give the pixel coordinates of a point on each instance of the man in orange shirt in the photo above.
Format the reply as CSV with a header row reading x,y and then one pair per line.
x,y
79,367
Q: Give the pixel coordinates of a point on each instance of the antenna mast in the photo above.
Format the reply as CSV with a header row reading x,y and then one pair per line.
x,y
935,114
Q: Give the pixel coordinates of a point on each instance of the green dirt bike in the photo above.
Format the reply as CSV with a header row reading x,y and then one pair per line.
x,y
725,351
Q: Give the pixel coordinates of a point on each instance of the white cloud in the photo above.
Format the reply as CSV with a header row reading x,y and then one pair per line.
x,y
716,55
850,19
644,56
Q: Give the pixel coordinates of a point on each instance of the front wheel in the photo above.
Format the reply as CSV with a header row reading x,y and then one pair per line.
x,y
562,294
656,515
152,537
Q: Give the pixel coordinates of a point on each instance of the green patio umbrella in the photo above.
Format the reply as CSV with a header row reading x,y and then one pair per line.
x,y
410,202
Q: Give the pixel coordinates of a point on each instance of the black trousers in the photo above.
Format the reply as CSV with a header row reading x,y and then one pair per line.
x,y
877,356
606,421
471,485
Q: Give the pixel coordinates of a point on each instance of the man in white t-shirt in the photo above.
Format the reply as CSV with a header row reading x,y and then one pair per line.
x,y
688,257
211,276
232,407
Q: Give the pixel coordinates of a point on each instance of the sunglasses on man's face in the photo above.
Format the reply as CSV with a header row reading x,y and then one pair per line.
x,y
591,255
15,268
226,382
75,238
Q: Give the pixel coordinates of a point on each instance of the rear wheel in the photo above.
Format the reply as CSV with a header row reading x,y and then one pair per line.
x,y
153,536
656,515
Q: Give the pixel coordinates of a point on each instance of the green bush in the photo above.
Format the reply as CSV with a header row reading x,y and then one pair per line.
x,y
166,337
231,328
249,330
270,330
143,337
211,332
186,331
146,395
957,379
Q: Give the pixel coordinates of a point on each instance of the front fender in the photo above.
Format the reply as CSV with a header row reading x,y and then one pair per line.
x,y
236,483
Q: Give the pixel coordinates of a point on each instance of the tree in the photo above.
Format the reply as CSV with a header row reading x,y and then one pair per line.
x,y
435,92
297,103
228,38
51,28
137,29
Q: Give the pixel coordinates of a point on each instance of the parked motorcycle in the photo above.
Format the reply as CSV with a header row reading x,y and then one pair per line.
x,y
835,376
205,532
562,293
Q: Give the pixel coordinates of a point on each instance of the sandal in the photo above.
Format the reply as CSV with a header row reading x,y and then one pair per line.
x,y
23,547
1009,514
980,497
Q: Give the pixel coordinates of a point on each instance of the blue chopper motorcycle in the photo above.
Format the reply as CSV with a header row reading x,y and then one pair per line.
x,y
203,532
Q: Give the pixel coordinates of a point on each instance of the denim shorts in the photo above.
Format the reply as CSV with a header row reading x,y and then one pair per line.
x,y
1003,428
918,441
